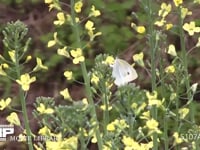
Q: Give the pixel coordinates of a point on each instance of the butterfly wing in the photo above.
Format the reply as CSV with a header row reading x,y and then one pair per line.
x,y
117,74
123,72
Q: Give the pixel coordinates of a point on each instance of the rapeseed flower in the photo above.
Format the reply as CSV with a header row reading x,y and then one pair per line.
x,y
78,56
191,28
4,103
42,110
94,12
78,6
170,69
65,94
68,75
39,65
63,52
54,41
25,81
60,19
13,119
178,2
139,58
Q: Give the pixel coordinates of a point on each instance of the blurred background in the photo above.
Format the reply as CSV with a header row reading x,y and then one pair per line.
x,y
118,39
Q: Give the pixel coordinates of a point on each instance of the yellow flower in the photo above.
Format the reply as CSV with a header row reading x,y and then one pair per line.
x,y
42,110
68,75
25,81
152,124
63,52
103,107
53,42
2,72
13,119
133,25
140,29
94,79
109,60
178,2
89,25
78,56
5,65
65,94
146,146
92,35
4,103
170,69
12,55
172,50
39,65
94,12
130,144
70,143
168,26
153,100
165,9
54,5
78,6
185,12
183,112
160,23
85,102
139,58
45,131
94,139
107,145
191,28
61,19
139,109
110,127
48,1
145,115
28,58
173,96
178,140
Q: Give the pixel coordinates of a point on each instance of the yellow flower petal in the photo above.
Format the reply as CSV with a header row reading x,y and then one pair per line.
x,y
4,103
78,6
25,81
68,75
65,94
13,119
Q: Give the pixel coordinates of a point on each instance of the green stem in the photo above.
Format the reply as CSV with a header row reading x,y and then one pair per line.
x,y
153,48
23,104
165,118
185,62
82,141
186,74
106,111
86,80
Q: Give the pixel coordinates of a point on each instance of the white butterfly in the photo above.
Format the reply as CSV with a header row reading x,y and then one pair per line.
x,y
123,72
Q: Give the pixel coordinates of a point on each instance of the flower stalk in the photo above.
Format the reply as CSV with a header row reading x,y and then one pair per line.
x,y
86,79
153,49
